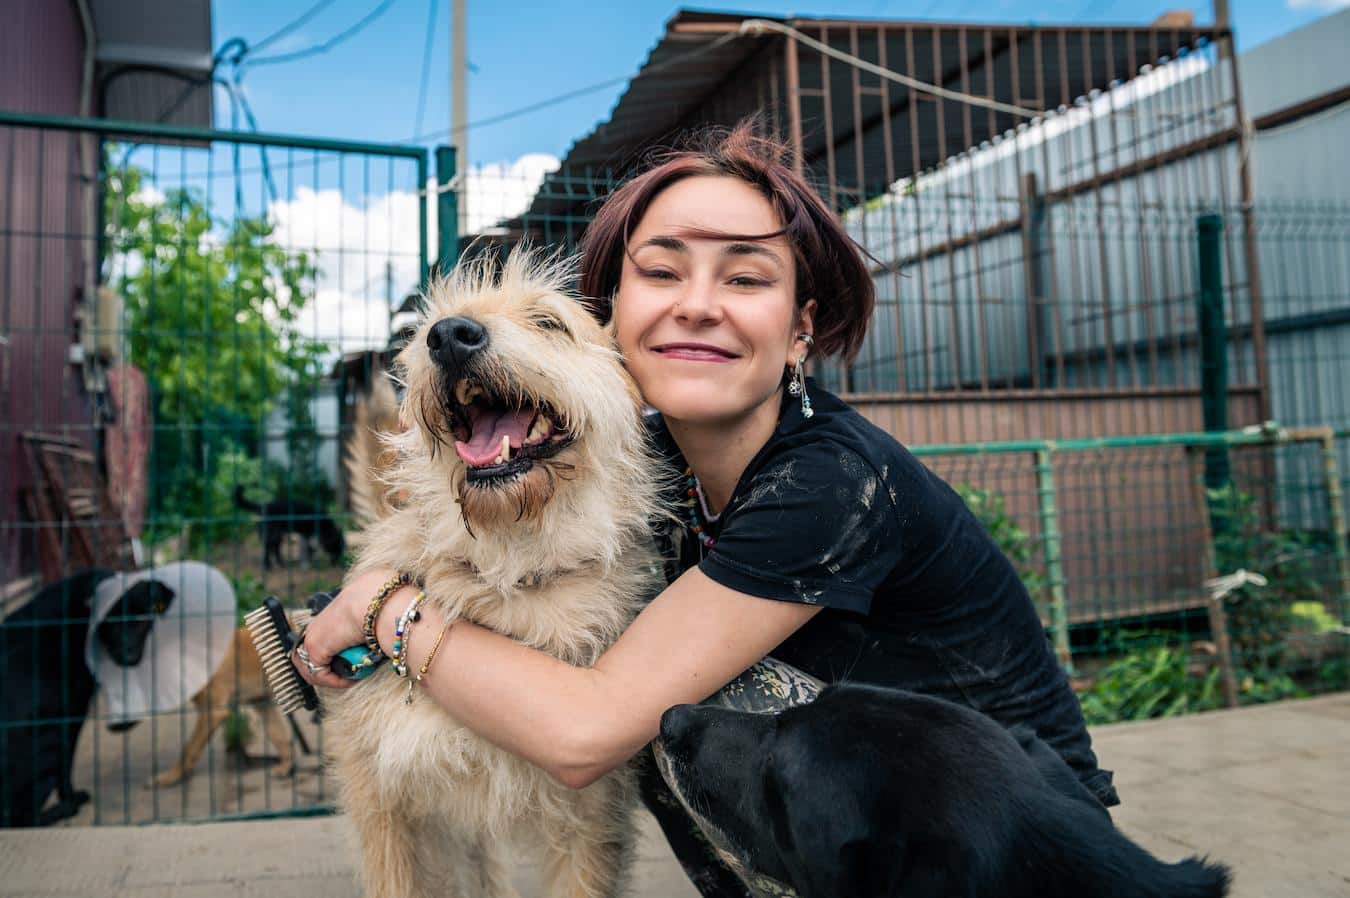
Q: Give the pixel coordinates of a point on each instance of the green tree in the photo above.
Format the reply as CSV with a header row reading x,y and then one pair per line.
x,y
211,308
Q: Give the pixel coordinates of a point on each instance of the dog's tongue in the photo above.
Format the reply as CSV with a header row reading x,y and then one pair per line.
x,y
489,426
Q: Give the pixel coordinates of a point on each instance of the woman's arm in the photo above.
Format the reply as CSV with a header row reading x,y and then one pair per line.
x,y
580,723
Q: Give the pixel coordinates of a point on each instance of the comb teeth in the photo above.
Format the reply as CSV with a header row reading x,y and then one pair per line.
x,y
268,629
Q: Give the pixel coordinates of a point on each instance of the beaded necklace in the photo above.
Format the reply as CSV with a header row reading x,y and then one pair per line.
x,y
693,501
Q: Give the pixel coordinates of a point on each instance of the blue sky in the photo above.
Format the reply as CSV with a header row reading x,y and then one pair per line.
x,y
367,88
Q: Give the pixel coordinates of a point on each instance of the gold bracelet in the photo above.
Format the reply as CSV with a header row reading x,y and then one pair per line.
x,y
373,611
426,665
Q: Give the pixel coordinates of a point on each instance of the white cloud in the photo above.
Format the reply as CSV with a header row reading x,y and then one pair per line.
x,y
148,195
1327,5
360,249
366,255
501,190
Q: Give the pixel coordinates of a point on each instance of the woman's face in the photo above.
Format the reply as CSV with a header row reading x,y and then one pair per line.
x,y
707,326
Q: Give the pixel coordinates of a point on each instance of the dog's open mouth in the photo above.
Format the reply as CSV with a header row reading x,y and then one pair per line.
x,y
499,438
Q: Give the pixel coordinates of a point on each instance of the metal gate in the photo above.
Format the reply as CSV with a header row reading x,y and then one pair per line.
x,y
186,318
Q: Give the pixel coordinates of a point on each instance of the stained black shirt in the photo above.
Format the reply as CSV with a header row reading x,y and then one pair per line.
x,y
833,511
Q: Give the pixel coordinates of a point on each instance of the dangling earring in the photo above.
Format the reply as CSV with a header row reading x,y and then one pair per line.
x,y
797,386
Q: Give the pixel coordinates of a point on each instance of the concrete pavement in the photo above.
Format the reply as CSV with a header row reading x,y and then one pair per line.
x,y
1263,789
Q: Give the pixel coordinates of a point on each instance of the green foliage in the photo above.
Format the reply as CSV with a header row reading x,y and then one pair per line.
x,y
1150,681
1155,679
1016,543
211,318
238,732
1261,617
249,593
1313,617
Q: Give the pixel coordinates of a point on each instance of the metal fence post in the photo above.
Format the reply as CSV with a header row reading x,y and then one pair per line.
x,y
447,210
1034,273
1340,537
1213,346
1054,566
1214,607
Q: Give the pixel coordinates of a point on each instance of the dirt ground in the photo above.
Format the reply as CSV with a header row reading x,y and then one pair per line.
x,y
116,770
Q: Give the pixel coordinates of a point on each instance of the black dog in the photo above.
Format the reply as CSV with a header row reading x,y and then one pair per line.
x,y
280,517
877,793
48,687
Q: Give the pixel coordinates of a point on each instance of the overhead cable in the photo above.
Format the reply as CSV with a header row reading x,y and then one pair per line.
x,y
292,25
426,63
578,92
327,45
759,26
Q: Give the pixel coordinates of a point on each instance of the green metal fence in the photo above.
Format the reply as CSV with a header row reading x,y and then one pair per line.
x,y
186,320
257,283
1124,547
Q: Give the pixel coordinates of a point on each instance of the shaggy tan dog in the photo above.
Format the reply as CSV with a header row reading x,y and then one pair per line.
x,y
526,494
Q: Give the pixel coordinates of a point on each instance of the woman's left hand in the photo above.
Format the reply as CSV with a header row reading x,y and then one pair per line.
x,y
339,626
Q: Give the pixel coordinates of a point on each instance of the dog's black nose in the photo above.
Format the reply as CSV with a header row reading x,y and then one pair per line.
x,y
675,723
453,341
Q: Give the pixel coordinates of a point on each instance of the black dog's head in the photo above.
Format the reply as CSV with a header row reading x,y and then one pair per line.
x,y
330,537
125,629
826,798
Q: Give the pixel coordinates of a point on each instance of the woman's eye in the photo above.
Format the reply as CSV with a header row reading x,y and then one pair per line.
x,y
747,281
659,274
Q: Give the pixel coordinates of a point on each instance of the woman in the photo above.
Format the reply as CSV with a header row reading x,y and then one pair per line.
x,y
816,536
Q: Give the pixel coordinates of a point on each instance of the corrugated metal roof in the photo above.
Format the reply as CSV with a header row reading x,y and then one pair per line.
x,y
1030,66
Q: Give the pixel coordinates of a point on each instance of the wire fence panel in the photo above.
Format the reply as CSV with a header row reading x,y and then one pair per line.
x,y
1121,541
189,320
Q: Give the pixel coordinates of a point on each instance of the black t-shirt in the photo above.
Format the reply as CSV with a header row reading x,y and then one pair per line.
x,y
833,511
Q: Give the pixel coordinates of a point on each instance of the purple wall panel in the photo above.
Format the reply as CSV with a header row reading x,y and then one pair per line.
x,y
44,242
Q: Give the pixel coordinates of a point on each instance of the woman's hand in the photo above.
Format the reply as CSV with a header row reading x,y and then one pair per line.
x,y
339,626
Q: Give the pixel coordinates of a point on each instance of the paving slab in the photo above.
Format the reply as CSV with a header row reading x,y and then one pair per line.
x,y
1262,789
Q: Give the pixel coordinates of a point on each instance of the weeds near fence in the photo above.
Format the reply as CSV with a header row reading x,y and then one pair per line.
x,y
1012,539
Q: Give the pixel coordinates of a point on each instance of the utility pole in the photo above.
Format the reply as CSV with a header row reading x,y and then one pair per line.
x,y
459,105
389,300
1222,23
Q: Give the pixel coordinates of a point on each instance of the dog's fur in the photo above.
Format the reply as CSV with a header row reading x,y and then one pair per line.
x,y
557,556
367,459
238,681
280,517
48,687
873,793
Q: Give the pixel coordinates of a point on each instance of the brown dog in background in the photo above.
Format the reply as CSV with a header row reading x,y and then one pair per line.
x,y
238,681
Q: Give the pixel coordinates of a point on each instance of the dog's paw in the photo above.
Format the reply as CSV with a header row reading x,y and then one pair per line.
x,y
167,778
283,770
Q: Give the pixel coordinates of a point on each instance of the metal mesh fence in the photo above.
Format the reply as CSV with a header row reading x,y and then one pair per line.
x,y
188,320
1130,547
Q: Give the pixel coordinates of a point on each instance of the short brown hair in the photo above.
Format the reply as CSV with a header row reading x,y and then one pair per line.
x,y
830,267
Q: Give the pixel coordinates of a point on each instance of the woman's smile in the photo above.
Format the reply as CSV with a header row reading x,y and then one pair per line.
x,y
695,352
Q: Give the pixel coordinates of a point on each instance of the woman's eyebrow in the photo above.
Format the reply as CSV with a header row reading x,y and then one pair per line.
x,y
671,243
751,249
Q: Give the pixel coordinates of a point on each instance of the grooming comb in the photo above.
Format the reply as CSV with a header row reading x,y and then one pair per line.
x,y
274,640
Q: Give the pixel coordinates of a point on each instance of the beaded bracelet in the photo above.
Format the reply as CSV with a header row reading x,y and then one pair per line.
x,y
426,665
373,611
403,634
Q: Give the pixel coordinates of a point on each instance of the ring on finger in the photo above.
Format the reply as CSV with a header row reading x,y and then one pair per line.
x,y
303,654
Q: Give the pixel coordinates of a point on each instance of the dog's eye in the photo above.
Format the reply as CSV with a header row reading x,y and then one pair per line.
x,y
548,323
